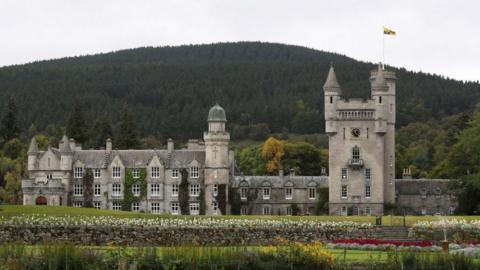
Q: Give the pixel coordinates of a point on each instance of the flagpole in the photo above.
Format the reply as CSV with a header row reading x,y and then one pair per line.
x,y
383,48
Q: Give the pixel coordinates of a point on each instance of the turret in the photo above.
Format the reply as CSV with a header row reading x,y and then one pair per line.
x,y
32,154
66,154
332,93
217,162
383,93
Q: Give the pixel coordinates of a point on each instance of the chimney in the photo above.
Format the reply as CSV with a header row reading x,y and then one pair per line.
x,y
108,145
280,172
324,171
170,146
72,144
407,173
292,172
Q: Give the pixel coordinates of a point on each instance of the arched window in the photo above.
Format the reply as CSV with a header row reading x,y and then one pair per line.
x,y
355,153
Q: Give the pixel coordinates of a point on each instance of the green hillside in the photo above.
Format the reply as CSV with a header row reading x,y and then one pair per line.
x,y
267,86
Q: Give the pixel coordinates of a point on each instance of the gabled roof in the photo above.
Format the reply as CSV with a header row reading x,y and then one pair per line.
x,y
280,182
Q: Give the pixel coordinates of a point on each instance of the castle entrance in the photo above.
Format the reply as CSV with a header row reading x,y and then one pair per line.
x,y
41,200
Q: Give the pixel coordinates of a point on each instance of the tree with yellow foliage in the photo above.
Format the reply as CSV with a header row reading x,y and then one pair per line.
x,y
272,152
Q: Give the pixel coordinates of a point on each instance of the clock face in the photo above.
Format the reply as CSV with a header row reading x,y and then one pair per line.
x,y
356,132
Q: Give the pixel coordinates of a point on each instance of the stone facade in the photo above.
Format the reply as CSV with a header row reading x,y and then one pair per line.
x,y
361,166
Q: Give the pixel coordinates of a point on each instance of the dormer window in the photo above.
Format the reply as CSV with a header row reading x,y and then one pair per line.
x,y
194,172
78,172
136,173
116,173
97,173
155,172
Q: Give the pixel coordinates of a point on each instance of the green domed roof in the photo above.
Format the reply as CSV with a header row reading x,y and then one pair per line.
x,y
217,114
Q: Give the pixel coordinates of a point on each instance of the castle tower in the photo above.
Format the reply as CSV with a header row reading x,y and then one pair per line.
x,y
216,156
32,154
66,154
361,146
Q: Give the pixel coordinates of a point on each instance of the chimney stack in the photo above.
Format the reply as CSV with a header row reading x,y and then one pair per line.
x,y
170,145
407,173
109,145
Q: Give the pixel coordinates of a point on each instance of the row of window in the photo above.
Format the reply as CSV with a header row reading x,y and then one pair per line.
x,y
117,172
155,208
312,193
368,173
356,211
154,190
344,191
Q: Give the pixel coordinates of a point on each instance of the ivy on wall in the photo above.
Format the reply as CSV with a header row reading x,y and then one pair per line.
x,y
202,200
322,202
88,188
183,193
235,201
128,197
222,198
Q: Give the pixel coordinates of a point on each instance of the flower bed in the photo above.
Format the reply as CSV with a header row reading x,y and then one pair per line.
x,y
453,229
378,244
384,242
168,231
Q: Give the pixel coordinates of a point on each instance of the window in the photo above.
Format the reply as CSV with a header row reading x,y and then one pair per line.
x,y
424,211
194,190
49,176
331,100
215,190
288,211
97,205
175,208
452,210
194,208
155,208
312,193
288,193
97,173
97,190
155,172
77,204
78,172
136,173
154,189
391,161
116,189
368,211
136,190
344,173
174,190
344,191
243,210
215,174
136,206
368,173
175,173
215,207
344,133
116,206
266,210
344,211
391,108
194,172
355,210
116,172
78,190
379,99
355,153
243,193
266,193
367,191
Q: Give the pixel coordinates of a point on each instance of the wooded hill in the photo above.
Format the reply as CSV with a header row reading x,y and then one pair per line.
x,y
267,86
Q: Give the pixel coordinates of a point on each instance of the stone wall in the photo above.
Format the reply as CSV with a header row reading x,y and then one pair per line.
x,y
144,236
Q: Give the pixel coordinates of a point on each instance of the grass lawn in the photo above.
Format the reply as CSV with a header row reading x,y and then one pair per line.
x,y
15,210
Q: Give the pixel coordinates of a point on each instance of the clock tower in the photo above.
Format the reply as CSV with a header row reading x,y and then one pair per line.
x,y
361,146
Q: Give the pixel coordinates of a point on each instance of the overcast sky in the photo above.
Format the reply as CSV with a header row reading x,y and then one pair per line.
x,y
434,36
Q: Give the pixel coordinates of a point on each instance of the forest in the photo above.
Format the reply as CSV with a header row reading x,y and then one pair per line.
x,y
140,97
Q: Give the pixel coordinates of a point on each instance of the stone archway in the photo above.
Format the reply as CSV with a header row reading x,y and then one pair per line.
x,y
41,200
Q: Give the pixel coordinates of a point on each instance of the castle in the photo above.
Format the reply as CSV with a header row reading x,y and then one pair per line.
x,y
361,177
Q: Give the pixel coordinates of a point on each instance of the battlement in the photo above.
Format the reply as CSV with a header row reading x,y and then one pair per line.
x,y
389,75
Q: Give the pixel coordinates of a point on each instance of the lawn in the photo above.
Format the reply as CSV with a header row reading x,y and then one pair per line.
x,y
15,210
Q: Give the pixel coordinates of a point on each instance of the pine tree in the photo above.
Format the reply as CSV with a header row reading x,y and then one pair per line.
x,y
102,130
127,133
77,125
9,125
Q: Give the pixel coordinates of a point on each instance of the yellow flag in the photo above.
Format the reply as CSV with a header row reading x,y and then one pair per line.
x,y
387,31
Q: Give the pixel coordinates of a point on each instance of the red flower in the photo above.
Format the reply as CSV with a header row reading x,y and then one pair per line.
x,y
384,242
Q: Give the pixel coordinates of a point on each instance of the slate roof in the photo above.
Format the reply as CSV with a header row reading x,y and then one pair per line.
x,y
139,158
277,181
419,186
